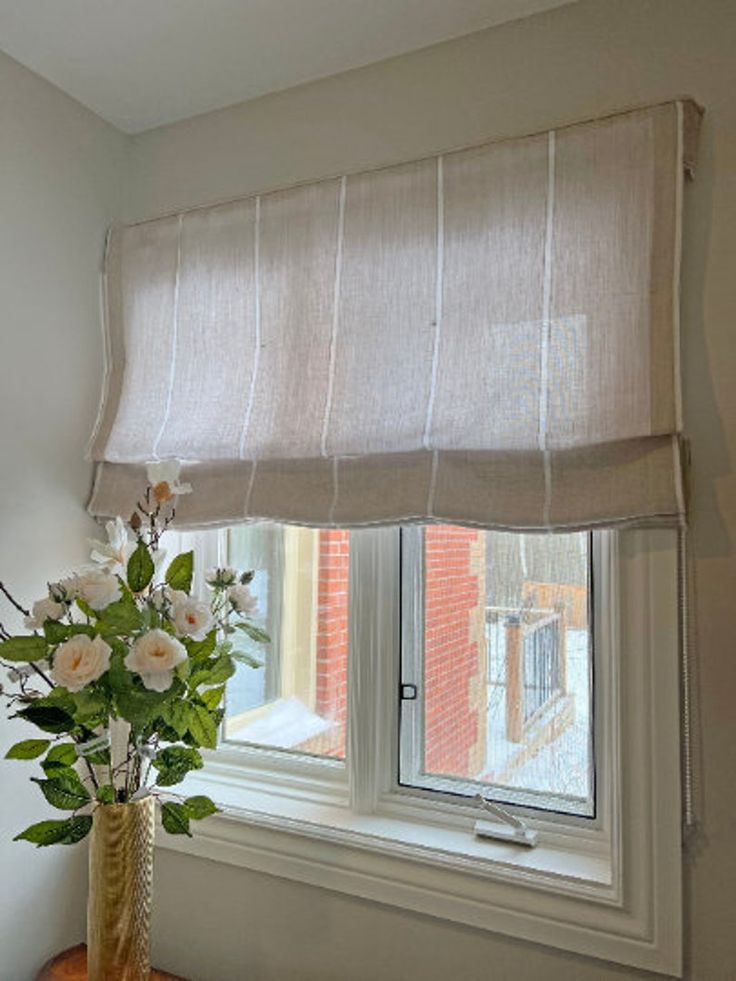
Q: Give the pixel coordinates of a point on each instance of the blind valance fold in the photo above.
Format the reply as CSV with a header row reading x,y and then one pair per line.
x,y
487,337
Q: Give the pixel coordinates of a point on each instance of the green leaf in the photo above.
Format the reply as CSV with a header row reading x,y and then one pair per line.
x,y
49,718
67,832
214,672
89,706
29,749
122,617
212,697
140,568
23,648
65,753
174,762
175,819
134,703
179,573
58,697
87,609
255,633
52,769
245,658
64,791
176,714
200,650
56,632
60,759
199,807
140,707
106,794
202,726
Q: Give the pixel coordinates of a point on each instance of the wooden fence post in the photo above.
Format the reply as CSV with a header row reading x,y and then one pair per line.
x,y
514,678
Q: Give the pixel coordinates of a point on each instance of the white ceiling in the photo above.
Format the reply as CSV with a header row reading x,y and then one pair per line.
x,y
143,63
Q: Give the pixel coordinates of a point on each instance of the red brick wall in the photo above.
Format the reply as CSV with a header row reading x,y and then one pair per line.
x,y
454,651
332,635
455,656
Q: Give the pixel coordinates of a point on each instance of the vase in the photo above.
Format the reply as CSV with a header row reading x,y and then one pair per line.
x,y
119,899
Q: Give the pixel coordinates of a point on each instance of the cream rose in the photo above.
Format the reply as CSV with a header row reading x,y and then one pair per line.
x,y
99,589
43,610
191,617
154,657
242,599
79,661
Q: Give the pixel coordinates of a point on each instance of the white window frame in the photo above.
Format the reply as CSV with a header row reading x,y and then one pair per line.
x,y
608,888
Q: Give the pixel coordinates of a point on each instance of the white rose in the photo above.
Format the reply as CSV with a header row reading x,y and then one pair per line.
x,y
242,599
79,661
154,657
43,610
99,589
191,617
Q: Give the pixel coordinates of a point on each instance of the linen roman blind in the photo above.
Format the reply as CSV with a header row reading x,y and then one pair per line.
x,y
486,337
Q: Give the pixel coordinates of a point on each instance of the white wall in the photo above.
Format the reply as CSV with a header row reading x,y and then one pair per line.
x,y
61,171
575,62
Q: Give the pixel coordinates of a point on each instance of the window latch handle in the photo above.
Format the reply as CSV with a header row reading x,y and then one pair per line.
x,y
511,829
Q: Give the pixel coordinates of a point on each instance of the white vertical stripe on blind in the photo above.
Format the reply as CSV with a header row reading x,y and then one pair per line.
x,y
426,441
174,340
257,332
340,236
546,327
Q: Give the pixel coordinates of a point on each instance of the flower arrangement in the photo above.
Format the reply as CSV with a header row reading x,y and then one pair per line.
x,y
124,671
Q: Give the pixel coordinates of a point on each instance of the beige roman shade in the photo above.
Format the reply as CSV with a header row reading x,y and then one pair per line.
x,y
486,337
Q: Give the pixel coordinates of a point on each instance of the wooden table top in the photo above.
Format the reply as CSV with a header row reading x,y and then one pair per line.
x,y
71,965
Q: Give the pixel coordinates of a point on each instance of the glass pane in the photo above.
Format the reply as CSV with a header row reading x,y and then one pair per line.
x,y
505,667
296,699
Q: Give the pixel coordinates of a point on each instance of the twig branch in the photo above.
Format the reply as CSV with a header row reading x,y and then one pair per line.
x,y
16,604
45,677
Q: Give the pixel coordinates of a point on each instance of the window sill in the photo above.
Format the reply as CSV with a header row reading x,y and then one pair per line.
x,y
556,894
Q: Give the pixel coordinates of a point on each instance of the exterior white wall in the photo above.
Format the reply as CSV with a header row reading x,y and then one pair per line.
x,y
61,179
572,63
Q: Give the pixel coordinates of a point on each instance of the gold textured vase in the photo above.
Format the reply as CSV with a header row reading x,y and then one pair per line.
x,y
119,901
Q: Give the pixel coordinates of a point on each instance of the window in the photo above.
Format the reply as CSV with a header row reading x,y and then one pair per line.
x,y
497,667
294,696
366,806
494,686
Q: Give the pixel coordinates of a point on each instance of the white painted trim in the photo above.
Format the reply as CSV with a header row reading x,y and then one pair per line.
x,y
611,891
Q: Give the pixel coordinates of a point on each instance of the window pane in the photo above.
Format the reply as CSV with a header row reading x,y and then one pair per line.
x,y
297,698
503,668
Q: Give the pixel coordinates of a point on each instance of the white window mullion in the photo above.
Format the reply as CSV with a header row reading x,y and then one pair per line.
x,y
411,712
372,664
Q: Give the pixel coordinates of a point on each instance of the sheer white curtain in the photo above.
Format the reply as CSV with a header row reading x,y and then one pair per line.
x,y
487,337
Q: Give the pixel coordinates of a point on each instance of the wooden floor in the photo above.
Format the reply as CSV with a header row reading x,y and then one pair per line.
x,y
71,965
